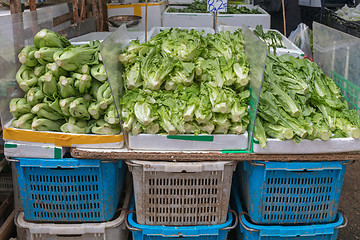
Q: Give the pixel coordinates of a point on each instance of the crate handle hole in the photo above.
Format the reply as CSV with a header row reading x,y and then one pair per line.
x,y
68,236
61,168
183,171
303,171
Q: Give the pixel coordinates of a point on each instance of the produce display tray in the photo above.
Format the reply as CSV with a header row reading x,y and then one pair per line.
x,y
290,47
61,139
195,156
34,150
335,145
171,19
188,142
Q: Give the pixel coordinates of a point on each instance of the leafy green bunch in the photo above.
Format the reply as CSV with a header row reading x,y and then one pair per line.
x,y
298,101
65,88
184,82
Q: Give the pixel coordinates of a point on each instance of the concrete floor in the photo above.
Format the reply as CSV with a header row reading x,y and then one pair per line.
x,y
350,203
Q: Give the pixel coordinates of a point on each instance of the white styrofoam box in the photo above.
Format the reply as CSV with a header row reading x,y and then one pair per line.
x,y
206,19
156,30
155,10
188,142
290,47
249,20
170,19
333,145
29,150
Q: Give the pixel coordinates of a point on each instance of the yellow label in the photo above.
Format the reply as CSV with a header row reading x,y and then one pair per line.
x,y
59,139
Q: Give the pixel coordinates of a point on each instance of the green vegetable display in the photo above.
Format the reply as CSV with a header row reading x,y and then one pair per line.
x,y
349,13
65,88
271,38
298,101
184,82
199,6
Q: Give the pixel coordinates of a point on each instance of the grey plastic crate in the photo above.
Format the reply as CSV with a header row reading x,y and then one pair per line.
x,y
181,193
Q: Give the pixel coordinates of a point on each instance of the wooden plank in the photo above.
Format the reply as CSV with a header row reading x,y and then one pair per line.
x,y
75,11
101,16
82,10
32,5
15,6
204,156
62,18
105,15
95,9
88,8
8,227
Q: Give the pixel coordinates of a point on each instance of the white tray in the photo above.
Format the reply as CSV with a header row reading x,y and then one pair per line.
x,y
334,145
201,142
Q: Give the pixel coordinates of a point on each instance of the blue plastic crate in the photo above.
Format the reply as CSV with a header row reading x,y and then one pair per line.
x,y
71,190
203,232
291,192
246,230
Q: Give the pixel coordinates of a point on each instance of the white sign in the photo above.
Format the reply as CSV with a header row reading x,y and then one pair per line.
x,y
217,5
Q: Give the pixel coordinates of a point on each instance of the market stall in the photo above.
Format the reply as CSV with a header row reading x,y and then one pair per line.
x,y
184,132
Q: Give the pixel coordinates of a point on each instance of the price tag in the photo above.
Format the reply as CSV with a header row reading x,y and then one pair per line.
x,y
217,5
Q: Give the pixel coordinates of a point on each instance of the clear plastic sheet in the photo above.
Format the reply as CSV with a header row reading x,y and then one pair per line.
x,y
338,55
16,31
255,49
256,52
335,51
110,50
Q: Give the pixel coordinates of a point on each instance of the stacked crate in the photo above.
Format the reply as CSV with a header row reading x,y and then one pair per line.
x,y
61,196
281,220
181,200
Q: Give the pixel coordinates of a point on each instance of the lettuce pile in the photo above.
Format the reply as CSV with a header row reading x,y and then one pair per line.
x,y
182,82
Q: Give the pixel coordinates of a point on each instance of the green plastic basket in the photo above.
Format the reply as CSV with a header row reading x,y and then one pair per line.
x,y
349,90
